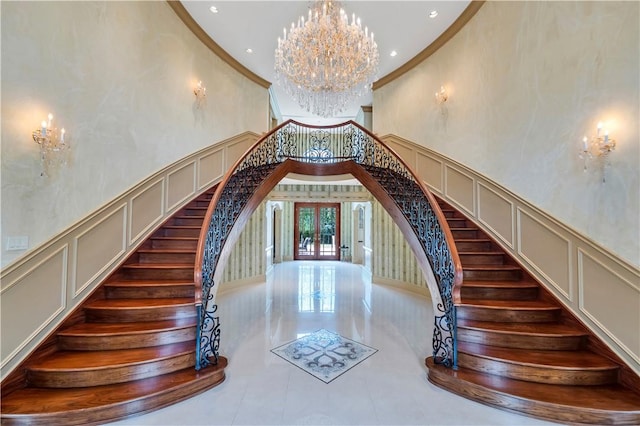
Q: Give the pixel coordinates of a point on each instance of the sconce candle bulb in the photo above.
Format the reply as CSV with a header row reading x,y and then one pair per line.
x,y
201,93
598,148
52,145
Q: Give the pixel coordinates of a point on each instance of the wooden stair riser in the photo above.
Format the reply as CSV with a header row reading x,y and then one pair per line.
x,y
190,243
521,341
200,203
178,231
538,374
105,376
113,291
481,313
449,213
125,341
153,313
166,257
187,220
499,293
466,233
459,222
194,211
491,274
150,273
474,245
479,258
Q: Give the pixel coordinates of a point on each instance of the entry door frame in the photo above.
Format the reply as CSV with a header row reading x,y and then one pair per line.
x,y
316,254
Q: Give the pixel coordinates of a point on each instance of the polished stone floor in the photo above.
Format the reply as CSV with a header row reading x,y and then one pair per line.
x,y
299,298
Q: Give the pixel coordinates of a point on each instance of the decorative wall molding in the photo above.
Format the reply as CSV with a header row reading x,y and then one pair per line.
x,y
566,262
32,285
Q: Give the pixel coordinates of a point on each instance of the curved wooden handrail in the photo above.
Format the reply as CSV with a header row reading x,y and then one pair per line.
x,y
368,159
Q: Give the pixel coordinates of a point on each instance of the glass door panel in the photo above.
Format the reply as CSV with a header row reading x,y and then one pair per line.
x,y
317,231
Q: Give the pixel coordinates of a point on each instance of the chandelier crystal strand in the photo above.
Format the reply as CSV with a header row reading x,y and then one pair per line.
x,y
326,60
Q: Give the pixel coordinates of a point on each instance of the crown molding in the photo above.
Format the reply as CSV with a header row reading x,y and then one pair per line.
x,y
197,30
457,25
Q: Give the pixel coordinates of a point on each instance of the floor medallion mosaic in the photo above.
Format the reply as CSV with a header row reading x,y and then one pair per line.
x,y
324,354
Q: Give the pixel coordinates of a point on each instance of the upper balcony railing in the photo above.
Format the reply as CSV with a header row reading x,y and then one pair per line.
x,y
330,145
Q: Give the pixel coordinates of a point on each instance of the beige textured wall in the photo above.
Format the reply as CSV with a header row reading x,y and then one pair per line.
x,y
119,77
526,81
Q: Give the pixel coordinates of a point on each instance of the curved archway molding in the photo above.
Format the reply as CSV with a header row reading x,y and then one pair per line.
x,y
326,151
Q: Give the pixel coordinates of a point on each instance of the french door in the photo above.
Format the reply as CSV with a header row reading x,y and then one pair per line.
x,y
317,231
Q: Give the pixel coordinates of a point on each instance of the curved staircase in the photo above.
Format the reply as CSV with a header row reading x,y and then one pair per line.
x,y
520,350
130,348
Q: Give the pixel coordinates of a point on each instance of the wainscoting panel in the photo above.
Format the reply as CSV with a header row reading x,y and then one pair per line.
x,y
40,289
600,288
31,300
460,189
546,251
210,168
496,212
611,300
98,247
404,151
236,149
430,171
146,210
181,185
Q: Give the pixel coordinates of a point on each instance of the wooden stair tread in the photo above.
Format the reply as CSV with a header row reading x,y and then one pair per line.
x,y
181,227
174,238
157,265
166,250
491,268
499,284
139,303
604,401
509,304
187,216
112,329
108,402
149,283
89,360
530,329
575,360
482,253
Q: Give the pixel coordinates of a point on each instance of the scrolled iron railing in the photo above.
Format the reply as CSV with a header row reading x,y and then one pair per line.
x,y
294,141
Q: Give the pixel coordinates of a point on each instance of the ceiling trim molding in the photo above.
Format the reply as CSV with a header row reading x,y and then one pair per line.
x,y
197,30
453,29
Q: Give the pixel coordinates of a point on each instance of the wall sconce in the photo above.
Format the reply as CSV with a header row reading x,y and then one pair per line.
x,y
598,147
53,145
201,94
442,95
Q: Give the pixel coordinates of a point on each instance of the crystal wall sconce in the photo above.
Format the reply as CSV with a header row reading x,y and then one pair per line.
x,y
54,145
442,95
201,94
597,148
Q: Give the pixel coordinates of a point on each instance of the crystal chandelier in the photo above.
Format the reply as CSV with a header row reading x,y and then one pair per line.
x,y
326,61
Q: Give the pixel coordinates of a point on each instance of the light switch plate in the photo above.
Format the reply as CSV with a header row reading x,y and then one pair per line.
x,y
17,243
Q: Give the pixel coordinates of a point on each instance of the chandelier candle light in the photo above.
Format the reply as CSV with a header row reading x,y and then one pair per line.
x,y
325,61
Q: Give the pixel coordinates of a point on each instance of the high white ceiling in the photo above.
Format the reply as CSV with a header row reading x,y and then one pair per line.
x,y
403,26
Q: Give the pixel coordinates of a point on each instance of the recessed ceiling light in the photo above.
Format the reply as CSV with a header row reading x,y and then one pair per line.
x,y
433,14
249,50
393,53
213,9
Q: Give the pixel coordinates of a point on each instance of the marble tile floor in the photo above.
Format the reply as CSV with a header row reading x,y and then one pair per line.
x,y
299,298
